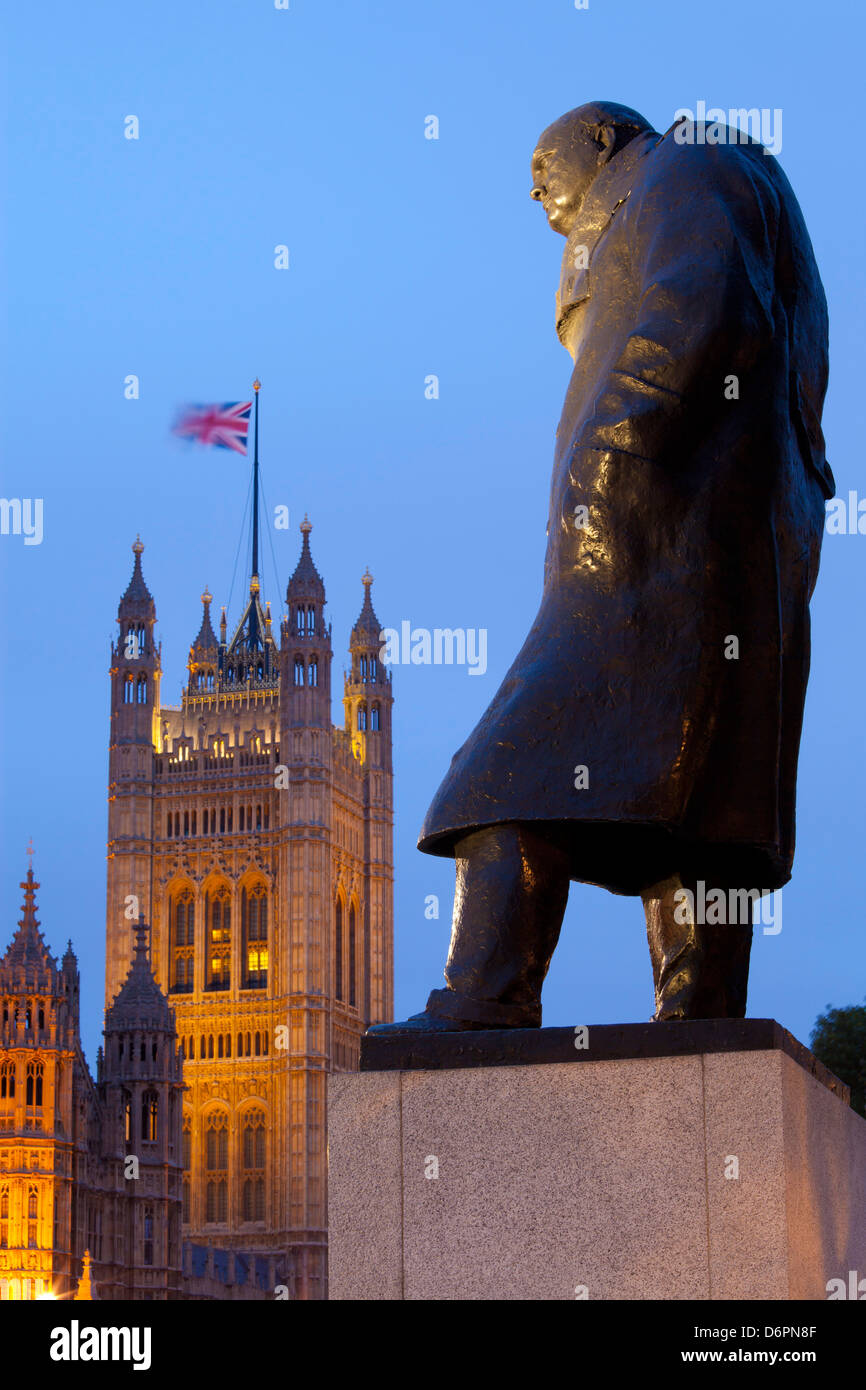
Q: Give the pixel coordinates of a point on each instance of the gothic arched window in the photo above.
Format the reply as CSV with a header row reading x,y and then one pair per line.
x,y
129,690
299,670
352,955
216,1165
362,717
32,1204
338,950
253,1159
373,669
254,913
217,1142
182,924
254,1140
186,1142
313,672
186,1152
7,1081
141,690
253,1199
363,668
374,718
216,1200
33,1085
219,939
148,1235
149,1116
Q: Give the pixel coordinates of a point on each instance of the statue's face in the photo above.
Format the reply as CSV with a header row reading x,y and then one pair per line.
x,y
565,162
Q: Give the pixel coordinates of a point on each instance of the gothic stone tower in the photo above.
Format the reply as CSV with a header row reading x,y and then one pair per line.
x,y
257,839
86,1167
135,676
45,1093
140,1086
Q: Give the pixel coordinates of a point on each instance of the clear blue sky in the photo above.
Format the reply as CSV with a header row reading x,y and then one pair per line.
x,y
407,257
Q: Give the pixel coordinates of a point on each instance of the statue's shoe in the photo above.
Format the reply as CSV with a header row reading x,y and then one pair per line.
x,y
423,1023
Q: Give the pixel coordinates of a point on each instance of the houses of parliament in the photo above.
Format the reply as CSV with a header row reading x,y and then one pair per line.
x,y
249,943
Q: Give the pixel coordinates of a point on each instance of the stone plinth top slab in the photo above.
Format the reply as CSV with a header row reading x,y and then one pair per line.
x,y
598,1042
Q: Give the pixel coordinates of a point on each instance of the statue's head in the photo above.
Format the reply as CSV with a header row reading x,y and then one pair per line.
x,y
573,150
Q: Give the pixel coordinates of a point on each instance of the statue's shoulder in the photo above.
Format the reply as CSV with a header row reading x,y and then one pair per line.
x,y
677,167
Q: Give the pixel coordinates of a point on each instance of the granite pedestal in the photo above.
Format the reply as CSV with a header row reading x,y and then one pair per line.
x,y
706,1160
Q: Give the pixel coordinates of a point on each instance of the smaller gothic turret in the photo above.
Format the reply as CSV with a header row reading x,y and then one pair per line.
x,y
140,1003
136,665
367,697
204,654
34,1003
141,1081
28,966
136,735
305,647
42,1095
71,984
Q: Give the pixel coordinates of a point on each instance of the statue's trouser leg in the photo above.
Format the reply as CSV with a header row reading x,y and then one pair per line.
x,y
512,887
700,970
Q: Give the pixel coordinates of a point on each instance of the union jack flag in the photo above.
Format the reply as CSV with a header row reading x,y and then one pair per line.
x,y
225,425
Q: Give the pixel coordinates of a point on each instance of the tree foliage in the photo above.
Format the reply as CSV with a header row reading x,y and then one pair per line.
x,y
839,1041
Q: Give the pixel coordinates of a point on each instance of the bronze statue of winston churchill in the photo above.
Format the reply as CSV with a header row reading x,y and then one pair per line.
x,y
646,736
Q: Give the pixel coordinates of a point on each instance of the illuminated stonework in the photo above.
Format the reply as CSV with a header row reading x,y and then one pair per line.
x,y
97,1166
42,1088
84,1164
256,837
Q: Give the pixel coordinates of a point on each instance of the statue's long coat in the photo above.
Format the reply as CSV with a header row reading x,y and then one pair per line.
x,y
670,654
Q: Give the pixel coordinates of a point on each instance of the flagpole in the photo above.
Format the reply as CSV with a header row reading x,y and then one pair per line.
x,y
256,387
